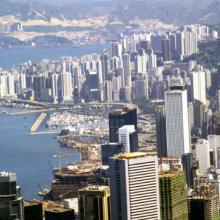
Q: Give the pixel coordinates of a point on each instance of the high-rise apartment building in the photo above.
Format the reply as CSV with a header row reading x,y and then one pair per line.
x,y
94,203
66,86
177,123
134,187
198,80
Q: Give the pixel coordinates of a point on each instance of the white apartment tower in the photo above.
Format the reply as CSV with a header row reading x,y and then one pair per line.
x,y
199,86
203,155
134,187
177,123
66,86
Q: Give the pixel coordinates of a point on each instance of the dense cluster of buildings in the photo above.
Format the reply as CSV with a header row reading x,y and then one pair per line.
x,y
131,69
180,179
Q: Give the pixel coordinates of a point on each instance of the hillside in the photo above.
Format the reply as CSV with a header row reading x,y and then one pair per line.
x,y
169,11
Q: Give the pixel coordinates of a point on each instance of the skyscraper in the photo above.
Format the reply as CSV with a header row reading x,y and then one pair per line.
x,y
173,196
161,141
187,161
134,187
66,86
109,150
166,50
203,155
177,123
128,137
198,81
94,203
11,203
120,117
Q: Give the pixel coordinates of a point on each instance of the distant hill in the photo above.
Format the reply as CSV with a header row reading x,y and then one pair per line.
x,y
171,11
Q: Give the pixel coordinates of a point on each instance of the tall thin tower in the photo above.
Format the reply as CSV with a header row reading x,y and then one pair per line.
x,y
177,124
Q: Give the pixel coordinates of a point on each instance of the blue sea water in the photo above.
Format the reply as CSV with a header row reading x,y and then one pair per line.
x,y
13,57
32,157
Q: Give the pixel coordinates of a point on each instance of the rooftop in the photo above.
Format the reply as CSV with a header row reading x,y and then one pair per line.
x,y
130,155
96,188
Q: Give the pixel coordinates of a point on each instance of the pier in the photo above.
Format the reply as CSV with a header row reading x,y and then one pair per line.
x,y
45,133
32,111
38,122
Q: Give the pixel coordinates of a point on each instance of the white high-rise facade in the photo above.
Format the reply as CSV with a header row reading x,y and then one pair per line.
x,y
177,123
134,187
199,86
203,155
124,136
55,87
66,86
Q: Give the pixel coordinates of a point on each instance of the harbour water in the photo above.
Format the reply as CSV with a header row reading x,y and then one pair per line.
x,y
13,57
30,156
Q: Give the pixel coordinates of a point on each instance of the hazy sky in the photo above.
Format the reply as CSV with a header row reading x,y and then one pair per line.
x,y
52,2
65,2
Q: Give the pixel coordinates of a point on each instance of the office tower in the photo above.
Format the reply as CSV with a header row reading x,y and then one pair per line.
x,y
199,111
105,59
33,210
166,50
55,84
108,91
93,92
66,86
11,203
127,69
128,136
173,45
203,155
177,123
119,118
180,45
198,82
203,203
109,150
187,162
161,141
141,89
173,195
21,83
94,203
152,60
116,85
59,213
134,187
